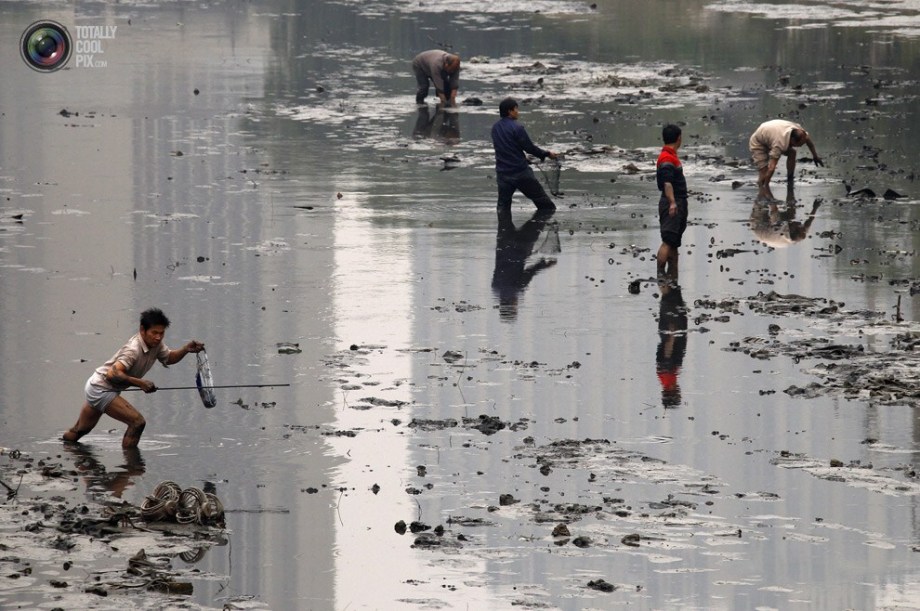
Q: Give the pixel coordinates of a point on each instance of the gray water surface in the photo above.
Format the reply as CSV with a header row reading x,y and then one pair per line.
x,y
260,171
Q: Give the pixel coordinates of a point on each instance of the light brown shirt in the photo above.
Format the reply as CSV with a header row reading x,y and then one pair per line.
x,y
137,358
772,137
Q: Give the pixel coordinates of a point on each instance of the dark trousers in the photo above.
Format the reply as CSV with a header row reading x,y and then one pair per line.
x,y
525,182
422,82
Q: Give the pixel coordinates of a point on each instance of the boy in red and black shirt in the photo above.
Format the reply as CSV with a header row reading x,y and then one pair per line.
x,y
672,207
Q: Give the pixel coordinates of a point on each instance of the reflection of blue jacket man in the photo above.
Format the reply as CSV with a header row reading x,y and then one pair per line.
x,y
512,171
512,247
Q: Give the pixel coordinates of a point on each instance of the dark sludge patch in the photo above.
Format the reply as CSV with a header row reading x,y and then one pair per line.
x,y
432,540
845,367
489,425
424,424
460,307
610,465
601,585
891,481
468,521
369,402
776,304
888,378
52,517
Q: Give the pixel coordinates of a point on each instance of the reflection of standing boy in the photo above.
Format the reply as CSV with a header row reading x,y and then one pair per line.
x,y
672,206
672,343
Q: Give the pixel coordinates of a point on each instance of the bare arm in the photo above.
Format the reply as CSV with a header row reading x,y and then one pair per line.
x,y
179,353
790,164
669,193
814,153
117,375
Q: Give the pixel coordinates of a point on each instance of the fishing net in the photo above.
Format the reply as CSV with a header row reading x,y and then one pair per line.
x,y
551,169
549,241
204,381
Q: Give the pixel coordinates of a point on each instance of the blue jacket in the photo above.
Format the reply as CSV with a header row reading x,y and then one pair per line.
x,y
511,141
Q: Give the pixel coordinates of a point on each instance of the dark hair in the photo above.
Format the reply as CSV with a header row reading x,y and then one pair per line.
x,y
670,133
152,318
506,106
797,136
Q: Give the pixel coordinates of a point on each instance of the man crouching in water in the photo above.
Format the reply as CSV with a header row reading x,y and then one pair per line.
x,y
128,368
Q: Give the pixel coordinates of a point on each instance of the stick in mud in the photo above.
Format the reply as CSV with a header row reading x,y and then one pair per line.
x,y
10,492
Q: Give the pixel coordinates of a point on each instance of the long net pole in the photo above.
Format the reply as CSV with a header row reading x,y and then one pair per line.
x,y
218,386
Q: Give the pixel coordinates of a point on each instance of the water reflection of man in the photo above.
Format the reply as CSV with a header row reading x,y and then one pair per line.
x,y
778,227
442,125
672,343
97,476
513,246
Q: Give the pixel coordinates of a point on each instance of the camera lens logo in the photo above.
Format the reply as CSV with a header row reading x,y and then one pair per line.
x,y
45,46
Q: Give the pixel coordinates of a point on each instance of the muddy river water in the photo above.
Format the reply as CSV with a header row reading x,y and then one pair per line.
x,y
482,413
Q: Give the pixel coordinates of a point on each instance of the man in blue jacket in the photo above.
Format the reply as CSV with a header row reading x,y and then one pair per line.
x,y
512,170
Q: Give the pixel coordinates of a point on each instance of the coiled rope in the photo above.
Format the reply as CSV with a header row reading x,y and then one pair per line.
x,y
170,503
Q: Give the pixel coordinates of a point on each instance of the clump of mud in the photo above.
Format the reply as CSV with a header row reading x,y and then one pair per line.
x,y
841,342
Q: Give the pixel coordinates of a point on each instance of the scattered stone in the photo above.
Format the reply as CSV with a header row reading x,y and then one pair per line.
x,y
631,540
582,542
864,193
452,356
561,530
601,586
487,425
288,348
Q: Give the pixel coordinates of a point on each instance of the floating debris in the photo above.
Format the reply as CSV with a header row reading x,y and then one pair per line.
x,y
288,348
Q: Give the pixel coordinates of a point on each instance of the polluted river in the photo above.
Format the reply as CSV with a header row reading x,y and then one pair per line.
x,y
433,406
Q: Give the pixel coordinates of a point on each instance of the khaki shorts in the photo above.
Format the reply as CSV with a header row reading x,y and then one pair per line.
x,y
760,157
99,397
